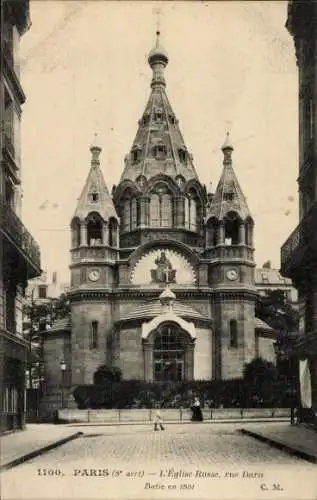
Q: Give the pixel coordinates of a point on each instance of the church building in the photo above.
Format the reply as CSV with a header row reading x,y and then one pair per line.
x,y
162,272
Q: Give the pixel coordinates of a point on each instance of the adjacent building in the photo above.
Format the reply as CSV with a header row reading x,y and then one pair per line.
x,y
19,253
299,252
162,272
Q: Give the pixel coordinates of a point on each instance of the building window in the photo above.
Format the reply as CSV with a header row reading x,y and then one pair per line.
x,y
161,213
42,291
113,233
9,193
8,119
231,229
126,214
10,306
94,231
190,209
94,335
233,333
182,153
159,152
133,213
136,154
228,196
169,354
94,197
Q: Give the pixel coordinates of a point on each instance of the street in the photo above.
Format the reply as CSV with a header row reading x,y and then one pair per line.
x,y
184,460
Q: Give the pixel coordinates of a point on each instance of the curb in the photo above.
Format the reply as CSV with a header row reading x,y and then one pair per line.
x,y
174,422
39,451
276,443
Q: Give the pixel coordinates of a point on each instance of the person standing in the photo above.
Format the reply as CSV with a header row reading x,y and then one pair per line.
x,y
158,421
197,415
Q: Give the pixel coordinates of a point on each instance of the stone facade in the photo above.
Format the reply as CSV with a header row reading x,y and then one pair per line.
x,y
162,272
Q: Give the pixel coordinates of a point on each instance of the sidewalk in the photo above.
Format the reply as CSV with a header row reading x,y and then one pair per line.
x,y
205,421
297,440
17,447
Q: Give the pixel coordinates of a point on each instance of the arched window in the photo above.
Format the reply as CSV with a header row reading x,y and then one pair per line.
x,y
249,232
160,151
94,230
233,333
134,213
166,210
126,215
136,154
186,210
192,214
161,208
93,344
113,233
231,226
212,232
169,354
75,227
155,210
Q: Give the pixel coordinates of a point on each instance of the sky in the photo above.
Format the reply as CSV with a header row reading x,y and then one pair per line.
x,y
84,71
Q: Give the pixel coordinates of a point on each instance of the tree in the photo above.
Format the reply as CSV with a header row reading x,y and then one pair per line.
x,y
277,311
38,315
260,380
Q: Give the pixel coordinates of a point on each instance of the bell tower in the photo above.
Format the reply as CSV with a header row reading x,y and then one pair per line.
x,y
229,250
94,252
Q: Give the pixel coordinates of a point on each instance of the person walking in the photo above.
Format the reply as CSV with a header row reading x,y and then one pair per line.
x,y
158,421
197,415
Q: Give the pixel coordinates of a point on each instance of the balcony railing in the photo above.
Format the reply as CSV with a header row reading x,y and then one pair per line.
x,y
17,232
8,145
303,234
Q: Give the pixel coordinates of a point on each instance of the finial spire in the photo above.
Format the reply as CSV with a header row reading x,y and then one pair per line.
x,y
158,57
227,149
95,151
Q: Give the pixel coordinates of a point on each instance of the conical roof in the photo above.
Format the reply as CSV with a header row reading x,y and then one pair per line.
x,y
158,147
229,196
95,196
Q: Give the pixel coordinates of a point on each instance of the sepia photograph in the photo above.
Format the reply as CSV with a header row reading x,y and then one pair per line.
x,y
158,250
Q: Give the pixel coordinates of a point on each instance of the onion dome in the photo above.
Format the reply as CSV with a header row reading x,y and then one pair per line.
x,y
158,54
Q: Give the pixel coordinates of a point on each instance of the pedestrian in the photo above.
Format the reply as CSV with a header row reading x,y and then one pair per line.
x,y
197,415
158,421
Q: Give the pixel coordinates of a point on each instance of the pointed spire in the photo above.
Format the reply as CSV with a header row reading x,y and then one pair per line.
x,y
95,196
228,195
95,152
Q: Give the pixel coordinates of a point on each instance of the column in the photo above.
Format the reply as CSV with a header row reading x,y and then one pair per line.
x,y
144,211
83,234
242,239
221,234
105,235
179,211
189,362
148,362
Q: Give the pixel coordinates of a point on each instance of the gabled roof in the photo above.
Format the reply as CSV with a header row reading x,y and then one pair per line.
x,y
158,126
95,196
153,308
229,196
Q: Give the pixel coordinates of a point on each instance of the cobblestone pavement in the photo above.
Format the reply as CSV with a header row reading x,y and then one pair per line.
x,y
136,462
